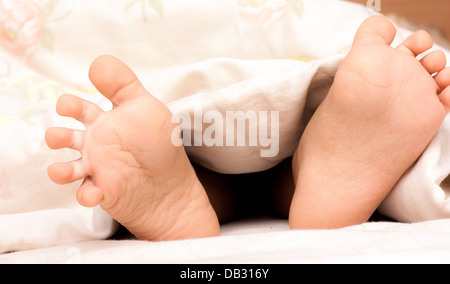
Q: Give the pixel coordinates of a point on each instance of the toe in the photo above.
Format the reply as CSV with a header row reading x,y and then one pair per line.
x,y
434,62
445,98
60,138
376,30
88,194
79,109
115,80
443,78
64,173
417,43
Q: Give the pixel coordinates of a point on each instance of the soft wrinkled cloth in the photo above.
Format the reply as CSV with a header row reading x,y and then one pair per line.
x,y
221,55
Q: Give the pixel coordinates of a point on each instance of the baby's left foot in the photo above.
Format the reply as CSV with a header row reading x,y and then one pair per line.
x,y
380,115
130,165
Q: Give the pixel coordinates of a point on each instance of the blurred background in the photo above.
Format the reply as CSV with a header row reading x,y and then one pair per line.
x,y
432,15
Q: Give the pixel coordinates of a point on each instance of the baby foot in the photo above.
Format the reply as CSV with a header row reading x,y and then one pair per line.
x,y
130,165
381,113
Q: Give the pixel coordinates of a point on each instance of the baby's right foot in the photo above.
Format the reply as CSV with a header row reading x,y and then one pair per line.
x,y
130,165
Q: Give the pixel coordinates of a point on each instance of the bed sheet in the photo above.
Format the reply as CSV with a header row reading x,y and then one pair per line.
x,y
265,241
274,54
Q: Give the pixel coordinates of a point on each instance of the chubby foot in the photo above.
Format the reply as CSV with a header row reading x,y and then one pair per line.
x,y
381,113
129,164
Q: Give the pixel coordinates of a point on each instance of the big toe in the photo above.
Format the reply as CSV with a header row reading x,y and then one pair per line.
x,y
376,30
115,80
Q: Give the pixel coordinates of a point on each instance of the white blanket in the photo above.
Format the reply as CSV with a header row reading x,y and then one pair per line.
x,y
223,55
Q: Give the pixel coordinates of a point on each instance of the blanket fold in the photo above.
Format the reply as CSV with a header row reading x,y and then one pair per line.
x,y
286,87
423,192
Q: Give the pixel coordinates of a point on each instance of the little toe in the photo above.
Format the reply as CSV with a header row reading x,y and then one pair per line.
x,y
443,78
115,80
64,173
60,138
434,62
77,108
88,194
417,43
